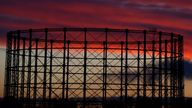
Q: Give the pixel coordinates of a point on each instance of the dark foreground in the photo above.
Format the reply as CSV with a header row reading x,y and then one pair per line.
x,y
132,103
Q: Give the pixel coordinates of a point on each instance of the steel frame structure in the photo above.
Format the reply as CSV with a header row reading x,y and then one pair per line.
x,y
93,65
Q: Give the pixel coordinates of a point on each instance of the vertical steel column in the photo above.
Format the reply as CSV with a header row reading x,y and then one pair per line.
x,y
121,97
51,73
103,90
67,80
29,66
17,61
23,70
36,64
106,48
153,69
144,64
64,49
175,71
160,65
85,67
138,70
166,75
126,67
180,67
8,65
104,64
172,69
45,65
14,67
105,67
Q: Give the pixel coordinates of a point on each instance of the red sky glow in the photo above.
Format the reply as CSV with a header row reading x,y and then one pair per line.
x,y
163,15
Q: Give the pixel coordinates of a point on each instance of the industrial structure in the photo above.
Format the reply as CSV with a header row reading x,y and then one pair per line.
x,y
81,67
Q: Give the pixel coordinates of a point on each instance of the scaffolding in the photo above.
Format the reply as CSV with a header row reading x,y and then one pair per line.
x,y
93,66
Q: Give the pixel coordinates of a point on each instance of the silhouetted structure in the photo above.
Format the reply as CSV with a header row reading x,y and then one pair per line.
x,y
81,67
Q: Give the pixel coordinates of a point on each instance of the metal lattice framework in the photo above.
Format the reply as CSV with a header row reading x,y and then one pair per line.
x,y
93,65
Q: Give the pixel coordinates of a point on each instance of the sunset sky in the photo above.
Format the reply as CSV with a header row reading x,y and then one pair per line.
x,y
166,15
